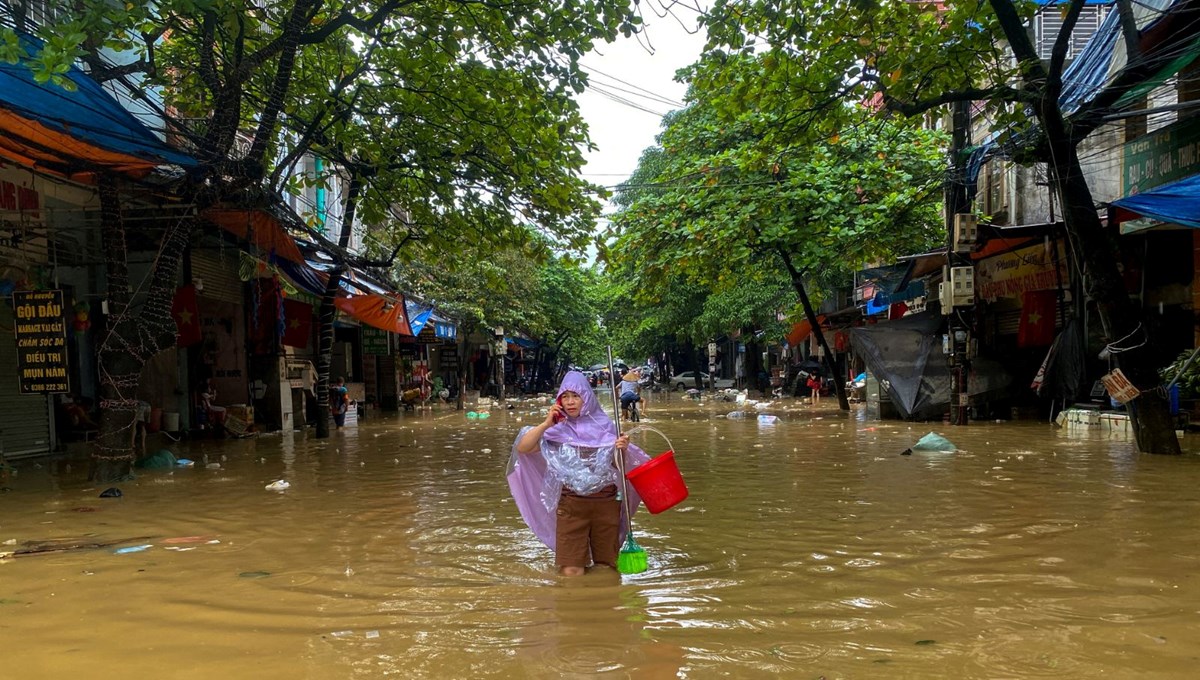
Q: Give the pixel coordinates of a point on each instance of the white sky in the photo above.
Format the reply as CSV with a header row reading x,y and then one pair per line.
x,y
644,79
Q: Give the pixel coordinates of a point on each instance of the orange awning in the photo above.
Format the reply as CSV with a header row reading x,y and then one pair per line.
x,y
377,310
801,331
71,126
258,227
32,145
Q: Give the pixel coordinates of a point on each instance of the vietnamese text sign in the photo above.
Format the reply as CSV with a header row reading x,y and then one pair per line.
x,y
1119,387
375,341
1162,156
1020,271
41,332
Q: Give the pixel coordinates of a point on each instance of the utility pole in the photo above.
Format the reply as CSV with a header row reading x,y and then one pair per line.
x,y
959,328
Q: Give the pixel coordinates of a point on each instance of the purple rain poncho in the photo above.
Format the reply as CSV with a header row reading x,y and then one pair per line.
x,y
577,453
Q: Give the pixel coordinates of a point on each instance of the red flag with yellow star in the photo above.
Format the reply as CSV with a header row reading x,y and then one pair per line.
x,y
187,316
297,324
1036,328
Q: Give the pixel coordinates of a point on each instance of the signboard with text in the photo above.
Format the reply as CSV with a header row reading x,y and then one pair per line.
x,y
1162,156
375,341
1119,387
1020,271
41,333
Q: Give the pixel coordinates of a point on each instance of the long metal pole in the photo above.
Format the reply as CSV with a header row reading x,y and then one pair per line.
x,y
619,454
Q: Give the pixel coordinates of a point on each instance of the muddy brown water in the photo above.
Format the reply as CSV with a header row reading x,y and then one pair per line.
x,y
807,548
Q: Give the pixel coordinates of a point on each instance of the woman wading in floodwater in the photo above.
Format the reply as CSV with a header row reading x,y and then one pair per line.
x,y
563,477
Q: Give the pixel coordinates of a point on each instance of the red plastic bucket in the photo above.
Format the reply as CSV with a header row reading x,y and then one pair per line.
x,y
659,483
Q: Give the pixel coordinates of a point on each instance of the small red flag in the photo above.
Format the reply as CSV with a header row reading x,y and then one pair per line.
x,y
1036,328
186,314
297,323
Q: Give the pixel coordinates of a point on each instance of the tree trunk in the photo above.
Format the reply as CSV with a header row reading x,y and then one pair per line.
x,y
463,347
130,339
839,383
268,117
1129,339
326,317
328,313
752,364
112,453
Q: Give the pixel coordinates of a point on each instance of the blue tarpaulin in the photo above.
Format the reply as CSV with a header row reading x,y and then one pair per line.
x,y
422,315
1177,203
45,126
1166,32
419,318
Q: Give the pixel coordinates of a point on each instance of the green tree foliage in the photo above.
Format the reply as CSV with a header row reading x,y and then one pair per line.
x,y
720,207
465,110
456,118
716,209
527,288
803,60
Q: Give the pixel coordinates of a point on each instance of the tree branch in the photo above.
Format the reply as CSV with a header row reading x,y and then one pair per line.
x,y
1058,56
207,66
1019,41
344,19
1129,30
909,109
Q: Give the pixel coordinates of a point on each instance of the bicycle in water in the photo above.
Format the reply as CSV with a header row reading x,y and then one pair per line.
x,y
631,411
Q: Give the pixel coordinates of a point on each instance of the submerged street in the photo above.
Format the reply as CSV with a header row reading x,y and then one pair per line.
x,y
808,548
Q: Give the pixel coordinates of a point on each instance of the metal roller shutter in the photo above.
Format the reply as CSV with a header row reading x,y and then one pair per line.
x,y
217,269
24,418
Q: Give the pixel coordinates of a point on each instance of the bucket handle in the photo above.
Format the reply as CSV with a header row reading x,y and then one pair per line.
x,y
639,428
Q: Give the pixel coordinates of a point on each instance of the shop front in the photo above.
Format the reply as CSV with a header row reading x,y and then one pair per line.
x,y
33,344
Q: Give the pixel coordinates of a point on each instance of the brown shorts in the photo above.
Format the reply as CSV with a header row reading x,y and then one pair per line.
x,y
588,525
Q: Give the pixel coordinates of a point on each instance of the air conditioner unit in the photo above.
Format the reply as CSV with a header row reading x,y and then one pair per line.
x,y
966,232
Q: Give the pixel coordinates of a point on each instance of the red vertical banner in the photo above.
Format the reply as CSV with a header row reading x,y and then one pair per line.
x,y
264,310
186,314
297,325
1036,328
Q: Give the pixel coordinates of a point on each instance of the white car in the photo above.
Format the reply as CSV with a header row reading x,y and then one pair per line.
x,y
687,381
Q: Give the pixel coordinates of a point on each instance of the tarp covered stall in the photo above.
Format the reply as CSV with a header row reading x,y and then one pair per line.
x,y
906,356
1063,371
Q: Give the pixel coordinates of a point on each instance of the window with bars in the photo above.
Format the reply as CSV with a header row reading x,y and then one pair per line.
x,y
29,15
1049,24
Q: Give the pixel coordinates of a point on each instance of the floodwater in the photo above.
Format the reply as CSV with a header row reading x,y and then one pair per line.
x,y
808,548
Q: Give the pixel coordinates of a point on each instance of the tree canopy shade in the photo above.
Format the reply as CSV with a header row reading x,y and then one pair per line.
x,y
834,204
718,206
914,58
465,110
454,122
